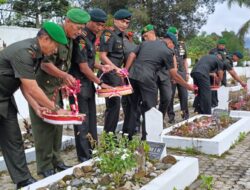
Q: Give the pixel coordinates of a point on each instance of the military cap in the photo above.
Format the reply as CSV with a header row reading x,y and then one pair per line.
x,y
147,28
78,16
98,15
122,14
56,32
173,30
238,54
172,37
221,41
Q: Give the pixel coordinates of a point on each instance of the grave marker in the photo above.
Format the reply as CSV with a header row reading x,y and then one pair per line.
x,y
223,97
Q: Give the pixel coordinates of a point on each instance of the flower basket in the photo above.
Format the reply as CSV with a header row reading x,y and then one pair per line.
x,y
116,91
74,118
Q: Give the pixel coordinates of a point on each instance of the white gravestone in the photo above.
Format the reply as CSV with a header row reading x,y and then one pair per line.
x,y
223,97
154,128
154,124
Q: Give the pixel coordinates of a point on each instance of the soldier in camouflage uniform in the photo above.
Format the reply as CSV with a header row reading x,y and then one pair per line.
x,y
51,75
18,64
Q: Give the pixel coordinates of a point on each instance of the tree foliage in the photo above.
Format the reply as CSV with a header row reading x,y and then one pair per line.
x,y
201,44
32,13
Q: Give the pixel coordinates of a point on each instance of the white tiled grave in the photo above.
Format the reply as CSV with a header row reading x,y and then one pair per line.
x,y
215,146
179,176
31,155
239,113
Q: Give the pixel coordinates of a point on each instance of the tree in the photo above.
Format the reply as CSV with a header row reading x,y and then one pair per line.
x,y
186,15
246,26
2,1
32,12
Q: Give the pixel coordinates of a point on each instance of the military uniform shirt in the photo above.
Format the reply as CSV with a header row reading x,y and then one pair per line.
x,y
62,60
152,56
112,43
181,54
207,64
19,60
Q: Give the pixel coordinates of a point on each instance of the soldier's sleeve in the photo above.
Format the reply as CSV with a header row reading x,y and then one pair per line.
x,y
228,65
79,54
168,59
23,64
106,42
220,64
137,49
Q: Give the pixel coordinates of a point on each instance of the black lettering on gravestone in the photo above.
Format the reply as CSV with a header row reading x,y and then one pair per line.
x,y
156,150
219,112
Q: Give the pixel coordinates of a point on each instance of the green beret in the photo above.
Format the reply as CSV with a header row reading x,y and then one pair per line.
x,y
56,32
98,15
173,30
221,41
172,37
238,54
147,28
78,16
122,14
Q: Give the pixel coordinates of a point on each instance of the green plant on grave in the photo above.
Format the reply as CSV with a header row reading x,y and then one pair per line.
x,y
207,182
240,138
116,155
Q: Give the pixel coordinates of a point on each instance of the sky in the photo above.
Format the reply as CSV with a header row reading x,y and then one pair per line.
x,y
224,18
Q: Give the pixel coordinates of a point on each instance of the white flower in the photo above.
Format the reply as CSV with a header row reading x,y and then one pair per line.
x,y
124,156
94,151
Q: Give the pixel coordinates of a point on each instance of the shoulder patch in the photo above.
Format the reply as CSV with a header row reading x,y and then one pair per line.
x,y
84,33
107,36
32,53
82,43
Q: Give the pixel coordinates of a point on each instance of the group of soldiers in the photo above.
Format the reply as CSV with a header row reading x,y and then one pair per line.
x,y
59,55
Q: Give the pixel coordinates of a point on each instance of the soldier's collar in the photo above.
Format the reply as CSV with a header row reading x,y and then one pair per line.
x,y
37,49
89,34
117,31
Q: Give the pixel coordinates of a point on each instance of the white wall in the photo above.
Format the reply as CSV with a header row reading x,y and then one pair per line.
x,y
11,34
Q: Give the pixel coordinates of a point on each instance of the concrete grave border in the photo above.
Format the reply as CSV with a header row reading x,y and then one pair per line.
x,y
215,146
31,155
179,176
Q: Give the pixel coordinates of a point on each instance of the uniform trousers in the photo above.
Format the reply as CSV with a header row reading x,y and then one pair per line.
x,y
48,142
87,106
202,102
12,146
112,111
144,95
165,90
183,97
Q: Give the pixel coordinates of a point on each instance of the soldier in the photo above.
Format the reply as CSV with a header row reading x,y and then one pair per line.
x,y
112,53
228,66
83,69
50,76
163,78
18,64
182,65
201,73
147,59
220,49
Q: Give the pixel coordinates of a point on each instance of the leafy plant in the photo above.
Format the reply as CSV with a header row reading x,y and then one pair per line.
x,y
207,182
116,154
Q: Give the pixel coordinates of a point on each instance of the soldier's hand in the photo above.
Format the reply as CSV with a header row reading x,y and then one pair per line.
x,y
40,110
191,87
69,80
63,112
243,84
187,77
103,85
106,68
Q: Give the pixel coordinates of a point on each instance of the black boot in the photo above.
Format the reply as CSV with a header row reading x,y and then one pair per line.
x,y
47,173
61,166
24,183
